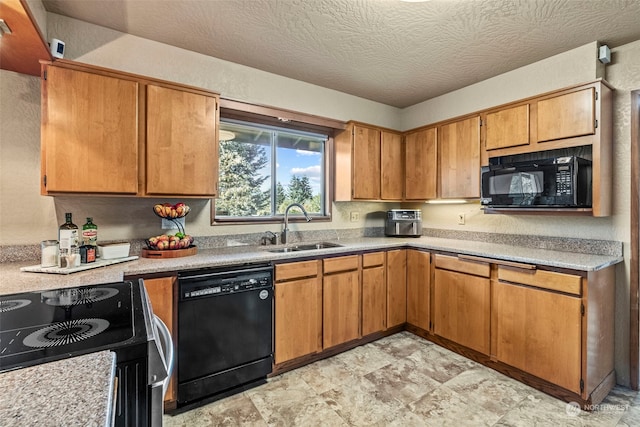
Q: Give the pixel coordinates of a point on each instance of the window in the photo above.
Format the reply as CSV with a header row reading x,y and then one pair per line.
x,y
265,168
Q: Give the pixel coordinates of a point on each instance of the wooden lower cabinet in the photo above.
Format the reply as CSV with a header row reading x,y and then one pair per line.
x,y
539,332
374,293
341,301
298,310
418,288
462,303
162,292
396,287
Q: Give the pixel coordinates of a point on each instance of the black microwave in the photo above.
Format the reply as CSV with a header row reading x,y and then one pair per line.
x,y
559,182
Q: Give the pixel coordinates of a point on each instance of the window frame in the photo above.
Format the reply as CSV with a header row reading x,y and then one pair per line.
x,y
283,119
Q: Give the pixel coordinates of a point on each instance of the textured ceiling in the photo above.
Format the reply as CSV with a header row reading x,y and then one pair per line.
x,y
389,51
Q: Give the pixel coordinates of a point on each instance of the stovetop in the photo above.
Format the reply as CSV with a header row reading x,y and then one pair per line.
x,y
36,327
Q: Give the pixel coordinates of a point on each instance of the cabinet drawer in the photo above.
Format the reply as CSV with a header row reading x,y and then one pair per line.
x,y
296,270
477,268
561,282
372,260
345,263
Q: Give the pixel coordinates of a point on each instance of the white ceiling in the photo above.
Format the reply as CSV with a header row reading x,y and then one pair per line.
x,y
389,51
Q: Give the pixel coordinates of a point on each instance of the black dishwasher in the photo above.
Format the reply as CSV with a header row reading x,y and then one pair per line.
x,y
225,338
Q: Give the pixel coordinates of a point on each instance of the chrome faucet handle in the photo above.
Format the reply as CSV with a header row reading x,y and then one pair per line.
x,y
269,236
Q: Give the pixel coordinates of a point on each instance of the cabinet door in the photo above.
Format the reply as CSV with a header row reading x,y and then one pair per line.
x,y
507,128
182,150
374,293
567,116
161,294
462,309
418,288
539,332
89,133
421,165
298,318
366,163
396,287
459,159
341,308
392,166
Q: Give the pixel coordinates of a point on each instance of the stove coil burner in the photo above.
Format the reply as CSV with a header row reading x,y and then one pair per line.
x,y
67,332
13,304
78,296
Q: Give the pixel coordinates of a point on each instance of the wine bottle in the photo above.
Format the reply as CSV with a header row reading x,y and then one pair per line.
x,y
90,233
68,242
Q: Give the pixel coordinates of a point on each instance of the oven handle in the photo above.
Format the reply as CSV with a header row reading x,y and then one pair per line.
x,y
167,347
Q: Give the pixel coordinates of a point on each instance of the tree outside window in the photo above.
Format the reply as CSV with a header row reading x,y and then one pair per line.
x,y
264,169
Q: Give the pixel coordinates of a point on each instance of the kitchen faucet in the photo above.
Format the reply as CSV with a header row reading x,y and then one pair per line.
x,y
285,232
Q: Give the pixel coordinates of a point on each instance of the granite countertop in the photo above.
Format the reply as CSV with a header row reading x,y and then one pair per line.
x,y
14,281
71,392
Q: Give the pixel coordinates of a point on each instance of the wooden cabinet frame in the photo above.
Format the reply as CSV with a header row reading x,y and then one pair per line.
x,y
140,119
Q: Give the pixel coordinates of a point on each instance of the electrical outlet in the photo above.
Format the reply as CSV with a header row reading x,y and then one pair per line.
x,y
461,218
354,216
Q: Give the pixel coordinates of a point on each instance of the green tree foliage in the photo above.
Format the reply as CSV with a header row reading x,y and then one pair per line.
x,y
300,189
240,180
281,194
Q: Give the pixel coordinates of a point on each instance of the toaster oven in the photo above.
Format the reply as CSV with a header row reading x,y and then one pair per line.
x,y
403,223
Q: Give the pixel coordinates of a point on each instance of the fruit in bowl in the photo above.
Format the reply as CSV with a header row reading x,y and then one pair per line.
x,y
167,242
169,211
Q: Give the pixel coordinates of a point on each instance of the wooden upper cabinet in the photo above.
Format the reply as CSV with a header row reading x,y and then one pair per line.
x,y
421,165
89,133
182,146
507,128
366,163
108,132
392,166
567,116
459,158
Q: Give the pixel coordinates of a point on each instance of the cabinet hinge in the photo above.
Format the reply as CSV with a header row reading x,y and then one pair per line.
x,y
44,75
582,309
44,180
595,125
596,95
581,385
481,122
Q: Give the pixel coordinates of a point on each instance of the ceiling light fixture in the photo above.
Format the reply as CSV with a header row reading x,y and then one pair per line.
x,y
226,135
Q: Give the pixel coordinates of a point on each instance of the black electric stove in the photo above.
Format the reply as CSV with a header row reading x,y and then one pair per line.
x,y
43,326
38,327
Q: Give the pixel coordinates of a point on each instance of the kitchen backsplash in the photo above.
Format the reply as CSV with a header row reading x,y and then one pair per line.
x,y
24,253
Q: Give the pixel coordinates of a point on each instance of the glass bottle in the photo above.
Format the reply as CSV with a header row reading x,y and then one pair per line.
x,y
68,241
90,233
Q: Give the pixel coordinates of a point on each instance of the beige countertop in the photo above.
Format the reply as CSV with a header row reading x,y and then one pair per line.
x,y
71,392
12,280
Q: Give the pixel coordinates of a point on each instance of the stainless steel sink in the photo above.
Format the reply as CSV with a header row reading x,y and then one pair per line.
x,y
307,247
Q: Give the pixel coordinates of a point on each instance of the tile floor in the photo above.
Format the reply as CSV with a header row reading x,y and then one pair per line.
x,y
403,380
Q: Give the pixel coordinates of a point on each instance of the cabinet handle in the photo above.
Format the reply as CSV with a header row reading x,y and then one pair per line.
x,y
474,258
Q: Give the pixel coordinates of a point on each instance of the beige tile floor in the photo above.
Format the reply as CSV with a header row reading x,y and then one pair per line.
x,y
403,380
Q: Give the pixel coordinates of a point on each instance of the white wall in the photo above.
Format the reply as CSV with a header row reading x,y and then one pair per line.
x,y
572,67
96,45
